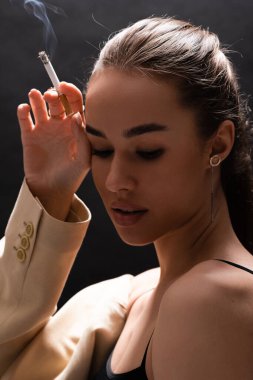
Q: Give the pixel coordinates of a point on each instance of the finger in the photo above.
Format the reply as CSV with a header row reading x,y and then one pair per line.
x,y
38,106
54,103
24,118
74,96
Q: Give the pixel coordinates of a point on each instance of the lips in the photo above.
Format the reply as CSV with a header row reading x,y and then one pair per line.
x,y
126,214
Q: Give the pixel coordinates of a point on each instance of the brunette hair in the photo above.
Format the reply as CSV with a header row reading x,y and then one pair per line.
x,y
193,57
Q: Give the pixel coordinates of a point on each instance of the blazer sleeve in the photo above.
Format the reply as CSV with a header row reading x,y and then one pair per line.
x,y
36,256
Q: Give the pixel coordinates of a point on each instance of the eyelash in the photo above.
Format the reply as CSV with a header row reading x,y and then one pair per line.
x,y
146,155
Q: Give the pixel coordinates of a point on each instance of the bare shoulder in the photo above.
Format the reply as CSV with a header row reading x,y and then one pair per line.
x,y
205,325
210,279
213,283
142,283
216,275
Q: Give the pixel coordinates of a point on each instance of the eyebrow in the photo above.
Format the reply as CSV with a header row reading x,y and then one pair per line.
x,y
132,132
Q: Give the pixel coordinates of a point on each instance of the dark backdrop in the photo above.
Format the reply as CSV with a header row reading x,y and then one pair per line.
x,y
85,25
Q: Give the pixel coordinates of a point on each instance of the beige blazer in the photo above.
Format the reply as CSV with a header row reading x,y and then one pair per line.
x,y
36,255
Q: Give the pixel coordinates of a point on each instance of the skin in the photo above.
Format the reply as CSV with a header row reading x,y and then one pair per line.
x,y
174,188
56,152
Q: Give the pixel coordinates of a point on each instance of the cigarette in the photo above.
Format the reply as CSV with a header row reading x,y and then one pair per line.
x,y
55,80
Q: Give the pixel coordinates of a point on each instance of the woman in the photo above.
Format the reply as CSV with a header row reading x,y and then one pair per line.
x,y
168,143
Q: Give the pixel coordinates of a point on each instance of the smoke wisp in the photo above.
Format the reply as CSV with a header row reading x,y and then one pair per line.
x,y
38,8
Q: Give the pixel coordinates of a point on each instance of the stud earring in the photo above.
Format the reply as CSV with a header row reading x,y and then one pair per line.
x,y
215,160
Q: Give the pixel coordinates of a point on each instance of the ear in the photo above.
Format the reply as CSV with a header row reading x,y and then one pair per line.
x,y
223,140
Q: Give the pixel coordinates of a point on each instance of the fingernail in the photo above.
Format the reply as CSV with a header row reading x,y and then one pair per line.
x,y
32,91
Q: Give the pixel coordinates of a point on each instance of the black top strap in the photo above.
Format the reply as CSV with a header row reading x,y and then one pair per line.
x,y
236,265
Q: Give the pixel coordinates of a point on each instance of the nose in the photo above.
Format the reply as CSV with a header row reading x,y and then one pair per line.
x,y
120,176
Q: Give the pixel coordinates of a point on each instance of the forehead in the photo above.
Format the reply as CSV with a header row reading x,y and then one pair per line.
x,y
134,97
133,82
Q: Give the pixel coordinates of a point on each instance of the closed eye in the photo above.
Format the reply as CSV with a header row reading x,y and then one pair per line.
x,y
101,153
144,154
150,154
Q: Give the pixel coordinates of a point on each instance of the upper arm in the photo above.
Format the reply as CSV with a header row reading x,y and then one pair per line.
x,y
201,333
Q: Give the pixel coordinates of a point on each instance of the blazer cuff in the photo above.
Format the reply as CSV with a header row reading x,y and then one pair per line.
x,y
38,253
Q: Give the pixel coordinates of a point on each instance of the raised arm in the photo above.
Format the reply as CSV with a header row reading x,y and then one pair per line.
x,y
48,223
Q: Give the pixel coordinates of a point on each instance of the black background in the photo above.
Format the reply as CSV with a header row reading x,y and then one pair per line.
x,y
80,32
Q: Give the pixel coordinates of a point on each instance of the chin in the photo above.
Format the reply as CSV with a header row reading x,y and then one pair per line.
x,y
136,244
133,240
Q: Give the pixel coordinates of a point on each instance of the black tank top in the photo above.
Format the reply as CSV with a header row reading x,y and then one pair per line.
x,y
140,373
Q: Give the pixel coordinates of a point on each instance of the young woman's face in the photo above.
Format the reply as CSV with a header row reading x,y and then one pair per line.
x,y
148,164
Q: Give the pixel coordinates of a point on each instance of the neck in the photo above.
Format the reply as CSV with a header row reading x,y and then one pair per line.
x,y
199,239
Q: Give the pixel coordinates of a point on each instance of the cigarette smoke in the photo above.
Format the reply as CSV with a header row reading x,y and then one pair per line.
x,y
38,8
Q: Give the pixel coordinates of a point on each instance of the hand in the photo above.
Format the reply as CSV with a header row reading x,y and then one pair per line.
x,y
56,150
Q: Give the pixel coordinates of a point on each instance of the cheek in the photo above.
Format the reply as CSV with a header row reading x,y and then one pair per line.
x,y
182,183
172,191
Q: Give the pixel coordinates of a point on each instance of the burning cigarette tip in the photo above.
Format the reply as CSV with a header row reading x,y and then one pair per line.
x,y
49,68
44,57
